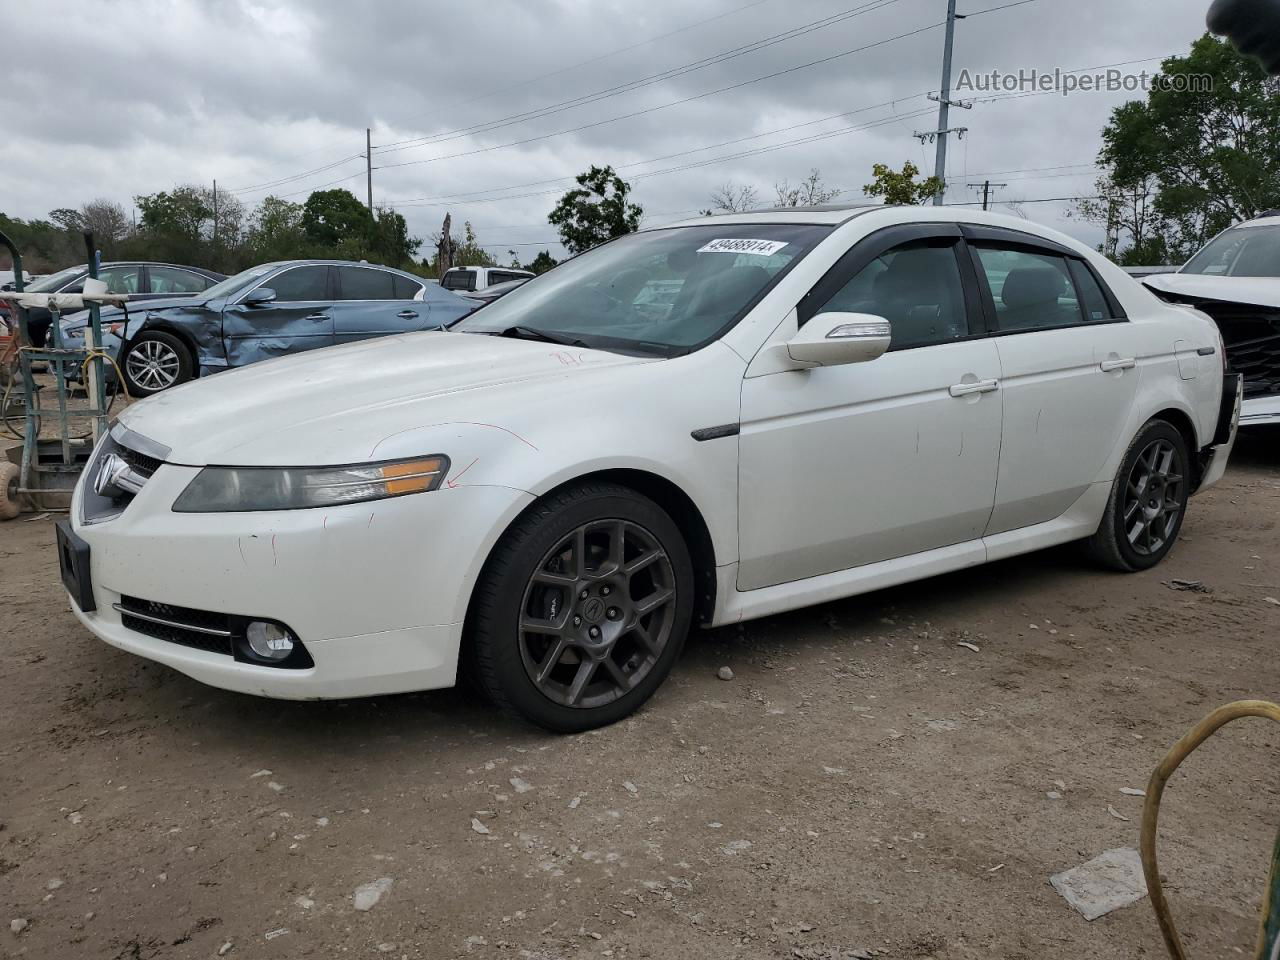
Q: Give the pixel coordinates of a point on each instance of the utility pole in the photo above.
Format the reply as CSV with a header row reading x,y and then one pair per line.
x,y
368,164
945,103
986,187
215,214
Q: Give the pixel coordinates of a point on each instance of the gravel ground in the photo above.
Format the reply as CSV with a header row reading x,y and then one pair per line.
x,y
862,786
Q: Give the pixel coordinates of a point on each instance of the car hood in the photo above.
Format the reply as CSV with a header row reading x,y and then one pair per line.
x,y
1255,291
136,308
337,405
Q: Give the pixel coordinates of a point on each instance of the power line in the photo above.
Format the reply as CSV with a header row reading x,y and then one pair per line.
x,y
672,156
673,103
632,85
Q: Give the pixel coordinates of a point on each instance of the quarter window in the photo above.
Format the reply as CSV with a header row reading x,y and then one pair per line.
x,y
916,287
359,283
301,285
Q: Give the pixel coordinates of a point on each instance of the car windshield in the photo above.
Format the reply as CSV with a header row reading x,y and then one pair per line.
x,y
1240,252
55,280
225,288
660,291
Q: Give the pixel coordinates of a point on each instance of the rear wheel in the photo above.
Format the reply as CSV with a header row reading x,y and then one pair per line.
x,y
1148,501
9,507
156,361
583,608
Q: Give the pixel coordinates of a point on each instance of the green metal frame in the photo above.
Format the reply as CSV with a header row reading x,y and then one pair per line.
x,y
50,466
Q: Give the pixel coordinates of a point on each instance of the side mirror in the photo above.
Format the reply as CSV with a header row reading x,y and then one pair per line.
x,y
833,339
260,297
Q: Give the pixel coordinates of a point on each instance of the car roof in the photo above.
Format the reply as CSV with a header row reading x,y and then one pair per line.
x,y
1269,219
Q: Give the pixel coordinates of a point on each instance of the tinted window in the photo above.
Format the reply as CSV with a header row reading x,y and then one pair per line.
x,y
117,279
177,282
301,284
1094,301
916,287
459,280
405,288
357,283
1030,289
1240,252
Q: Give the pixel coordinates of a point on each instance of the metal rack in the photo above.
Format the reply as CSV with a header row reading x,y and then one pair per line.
x,y
50,465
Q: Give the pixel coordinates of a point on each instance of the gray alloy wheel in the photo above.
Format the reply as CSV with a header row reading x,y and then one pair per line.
x,y
597,613
1154,497
153,365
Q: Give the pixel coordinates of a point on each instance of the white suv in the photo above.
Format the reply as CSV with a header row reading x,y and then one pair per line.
x,y
470,279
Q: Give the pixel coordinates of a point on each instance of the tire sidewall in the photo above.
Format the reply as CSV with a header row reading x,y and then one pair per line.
x,y
1155,430
509,587
184,362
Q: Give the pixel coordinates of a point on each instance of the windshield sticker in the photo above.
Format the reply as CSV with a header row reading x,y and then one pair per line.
x,y
762,248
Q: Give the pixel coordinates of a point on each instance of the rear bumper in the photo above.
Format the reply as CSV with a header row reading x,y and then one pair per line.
x,y
1229,421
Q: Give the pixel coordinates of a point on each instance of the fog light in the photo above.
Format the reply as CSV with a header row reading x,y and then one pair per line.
x,y
269,640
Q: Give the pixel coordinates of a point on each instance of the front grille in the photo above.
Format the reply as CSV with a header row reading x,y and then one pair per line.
x,y
199,629
1252,338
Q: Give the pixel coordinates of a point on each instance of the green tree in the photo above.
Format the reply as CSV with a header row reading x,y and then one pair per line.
x,y
900,186
1212,149
330,217
275,231
541,263
596,211
175,225
391,243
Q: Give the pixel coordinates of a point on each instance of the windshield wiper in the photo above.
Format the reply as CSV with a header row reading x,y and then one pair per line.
x,y
529,333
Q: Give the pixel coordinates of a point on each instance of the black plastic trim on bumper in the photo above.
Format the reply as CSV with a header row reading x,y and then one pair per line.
x,y
1232,387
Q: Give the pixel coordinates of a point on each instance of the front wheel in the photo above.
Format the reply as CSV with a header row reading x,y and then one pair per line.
x,y
156,361
1148,501
583,608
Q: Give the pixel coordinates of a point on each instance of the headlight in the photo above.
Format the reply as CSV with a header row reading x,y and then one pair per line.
x,y
245,489
76,333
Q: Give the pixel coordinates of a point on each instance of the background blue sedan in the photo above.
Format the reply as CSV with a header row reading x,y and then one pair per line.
x,y
267,311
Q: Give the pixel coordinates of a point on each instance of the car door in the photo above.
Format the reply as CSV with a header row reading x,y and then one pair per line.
x,y
1069,372
850,465
376,303
298,318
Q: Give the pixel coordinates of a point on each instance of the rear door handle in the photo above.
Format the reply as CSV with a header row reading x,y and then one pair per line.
x,y
978,386
1107,366
407,315
316,317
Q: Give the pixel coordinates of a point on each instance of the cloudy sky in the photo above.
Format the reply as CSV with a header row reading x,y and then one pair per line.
x,y
478,109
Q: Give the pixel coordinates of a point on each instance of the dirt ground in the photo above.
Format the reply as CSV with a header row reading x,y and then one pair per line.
x,y
862,784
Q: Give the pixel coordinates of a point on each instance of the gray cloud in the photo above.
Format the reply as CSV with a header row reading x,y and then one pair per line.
x,y
134,96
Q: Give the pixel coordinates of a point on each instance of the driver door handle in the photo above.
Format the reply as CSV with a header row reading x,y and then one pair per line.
x,y
407,315
1107,366
978,386
317,317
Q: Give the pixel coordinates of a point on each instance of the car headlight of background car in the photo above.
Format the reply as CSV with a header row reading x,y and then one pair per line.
x,y
246,489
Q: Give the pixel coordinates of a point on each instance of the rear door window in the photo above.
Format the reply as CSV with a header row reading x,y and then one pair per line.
x,y
1031,289
406,289
361,283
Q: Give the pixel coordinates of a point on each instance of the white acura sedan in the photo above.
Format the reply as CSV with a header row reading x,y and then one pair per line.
x,y
705,422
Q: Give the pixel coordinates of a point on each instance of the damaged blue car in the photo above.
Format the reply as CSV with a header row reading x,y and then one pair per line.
x,y
266,311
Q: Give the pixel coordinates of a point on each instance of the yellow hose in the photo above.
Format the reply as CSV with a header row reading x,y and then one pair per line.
x,y
1151,815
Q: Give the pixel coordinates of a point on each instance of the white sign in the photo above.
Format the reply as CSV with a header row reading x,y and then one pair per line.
x,y
761,248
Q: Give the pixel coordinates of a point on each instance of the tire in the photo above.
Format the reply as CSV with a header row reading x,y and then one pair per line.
x,y
9,506
608,574
1148,501
154,362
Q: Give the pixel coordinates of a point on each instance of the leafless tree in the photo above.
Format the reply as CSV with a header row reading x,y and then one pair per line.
x,y
732,198
809,192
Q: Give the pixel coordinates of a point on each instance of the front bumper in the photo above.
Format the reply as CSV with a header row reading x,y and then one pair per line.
x,y
376,592
1260,411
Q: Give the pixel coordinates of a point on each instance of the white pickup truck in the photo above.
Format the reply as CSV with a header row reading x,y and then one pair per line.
x,y
470,279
